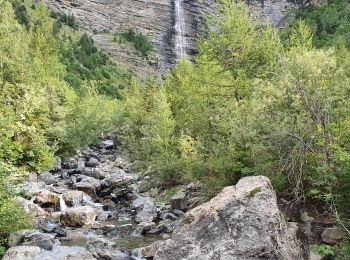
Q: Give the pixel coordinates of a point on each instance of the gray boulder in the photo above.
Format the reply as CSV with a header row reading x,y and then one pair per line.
x,y
89,185
146,210
100,248
79,216
243,222
92,162
179,201
47,178
22,253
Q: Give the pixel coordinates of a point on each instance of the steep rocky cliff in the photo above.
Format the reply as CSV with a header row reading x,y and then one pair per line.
x,y
156,20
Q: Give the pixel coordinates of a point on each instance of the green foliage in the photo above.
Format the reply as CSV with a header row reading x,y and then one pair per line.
x,y
140,42
329,22
12,217
322,249
84,61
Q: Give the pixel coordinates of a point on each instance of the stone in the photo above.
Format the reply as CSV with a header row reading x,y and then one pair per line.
x,y
100,248
168,215
118,255
79,216
178,212
103,216
145,208
44,241
332,235
30,207
92,162
16,238
46,197
47,178
179,201
73,198
144,186
243,222
89,185
22,253
194,186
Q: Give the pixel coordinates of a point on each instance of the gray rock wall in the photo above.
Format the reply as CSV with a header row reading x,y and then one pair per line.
x,y
154,18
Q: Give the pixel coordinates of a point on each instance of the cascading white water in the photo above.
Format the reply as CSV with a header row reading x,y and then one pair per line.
x,y
63,205
180,30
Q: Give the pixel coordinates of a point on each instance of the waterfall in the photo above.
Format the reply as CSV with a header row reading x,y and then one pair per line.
x,y
180,30
63,205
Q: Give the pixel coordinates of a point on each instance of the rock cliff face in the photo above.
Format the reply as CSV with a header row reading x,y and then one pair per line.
x,y
242,223
156,19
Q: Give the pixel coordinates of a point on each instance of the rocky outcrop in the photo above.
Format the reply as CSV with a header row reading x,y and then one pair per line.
x,y
242,222
156,20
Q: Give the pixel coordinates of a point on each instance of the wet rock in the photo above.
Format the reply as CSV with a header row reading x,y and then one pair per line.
x,y
92,162
73,198
332,235
243,222
47,225
79,216
145,208
118,184
179,201
95,173
100,248
144,186
47,178
22,253
89,185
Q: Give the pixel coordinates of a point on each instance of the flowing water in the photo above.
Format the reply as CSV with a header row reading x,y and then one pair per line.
x,y
180,30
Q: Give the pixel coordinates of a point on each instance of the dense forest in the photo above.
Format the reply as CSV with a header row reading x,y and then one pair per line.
x,y
256,101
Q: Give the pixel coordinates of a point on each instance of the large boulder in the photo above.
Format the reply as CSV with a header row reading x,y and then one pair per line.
x,y
100,248
46,197
79,216
89,185
242,222
47,178
22,253
146,210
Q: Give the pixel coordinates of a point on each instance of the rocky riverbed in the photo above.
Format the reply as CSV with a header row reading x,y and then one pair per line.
x,y
91,207
94,207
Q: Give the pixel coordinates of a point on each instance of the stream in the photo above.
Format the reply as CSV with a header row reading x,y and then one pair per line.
x,y
92,205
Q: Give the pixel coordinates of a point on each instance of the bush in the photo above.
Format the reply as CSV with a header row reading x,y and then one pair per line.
x,y
139,41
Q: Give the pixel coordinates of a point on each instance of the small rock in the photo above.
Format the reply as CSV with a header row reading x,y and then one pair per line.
x,y
332,235
47,178
92,162
168,215
103,216
179,201
178,212
120,256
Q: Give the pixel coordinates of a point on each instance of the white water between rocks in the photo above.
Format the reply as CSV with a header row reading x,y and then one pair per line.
x,y
180,30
